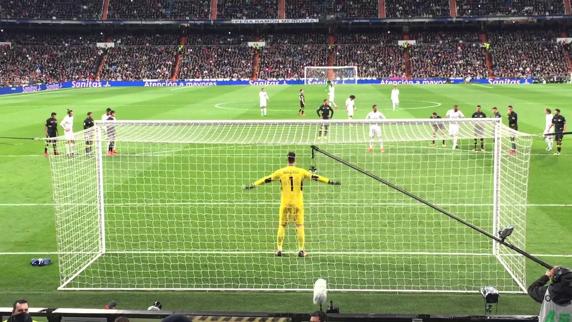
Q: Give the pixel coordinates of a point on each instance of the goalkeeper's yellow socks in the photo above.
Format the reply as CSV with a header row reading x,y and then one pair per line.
x,y
281,235
301,237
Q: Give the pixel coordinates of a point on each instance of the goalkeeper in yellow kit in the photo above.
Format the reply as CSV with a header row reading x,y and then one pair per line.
x,y
292,198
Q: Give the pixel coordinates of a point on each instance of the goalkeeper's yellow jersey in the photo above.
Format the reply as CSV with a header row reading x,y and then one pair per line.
x,y
291,183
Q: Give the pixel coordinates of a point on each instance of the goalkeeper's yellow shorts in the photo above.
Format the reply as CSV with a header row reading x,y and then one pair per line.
x,y
291,213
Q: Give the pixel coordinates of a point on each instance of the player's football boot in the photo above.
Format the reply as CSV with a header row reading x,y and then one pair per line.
x,y
278,253
302,253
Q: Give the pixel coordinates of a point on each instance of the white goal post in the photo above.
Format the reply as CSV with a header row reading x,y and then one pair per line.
x,y
169,212
337,74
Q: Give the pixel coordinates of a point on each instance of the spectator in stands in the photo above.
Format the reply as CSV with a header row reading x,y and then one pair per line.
x,y
20,312
556,296
159,9
247,9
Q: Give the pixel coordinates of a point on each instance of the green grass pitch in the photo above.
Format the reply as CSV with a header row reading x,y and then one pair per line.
x,y
26,210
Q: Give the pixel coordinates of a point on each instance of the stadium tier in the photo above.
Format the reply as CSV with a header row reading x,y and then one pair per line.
x,y
32,57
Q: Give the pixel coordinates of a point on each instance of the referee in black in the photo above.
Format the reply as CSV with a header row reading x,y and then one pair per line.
x,y
513,124
325,112
51,132
87,124
479,131
559,123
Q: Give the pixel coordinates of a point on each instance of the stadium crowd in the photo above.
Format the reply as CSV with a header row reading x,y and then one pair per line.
x,y
417,8
159,9
364,50
139,62
247,9
44,58
286,55
510,8
53,9
526,54
450,54
51,57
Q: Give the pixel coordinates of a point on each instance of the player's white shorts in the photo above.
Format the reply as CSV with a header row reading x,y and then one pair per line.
x,y
453,129
350,112
331,98
395,101
262,106
374,131
548,131
69,135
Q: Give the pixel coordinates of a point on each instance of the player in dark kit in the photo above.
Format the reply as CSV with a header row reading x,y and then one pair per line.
x,y
87,125
325,112
559,123
513,124
496,113
479,131
51,132
302,100
438,129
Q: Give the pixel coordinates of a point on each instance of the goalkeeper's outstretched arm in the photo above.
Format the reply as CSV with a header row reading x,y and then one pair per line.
x,y
322,179
261,181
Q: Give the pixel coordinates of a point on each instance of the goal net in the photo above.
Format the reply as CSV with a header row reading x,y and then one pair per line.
x,y
338,74
169,212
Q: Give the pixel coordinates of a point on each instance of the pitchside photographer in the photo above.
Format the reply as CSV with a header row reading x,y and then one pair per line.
x,y
20,312
554,291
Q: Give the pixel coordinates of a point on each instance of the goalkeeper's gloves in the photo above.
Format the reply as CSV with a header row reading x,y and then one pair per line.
x,y
248,186
334,182
313,169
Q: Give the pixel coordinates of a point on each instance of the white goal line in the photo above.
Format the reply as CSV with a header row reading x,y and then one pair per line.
x,y
221,252
272,203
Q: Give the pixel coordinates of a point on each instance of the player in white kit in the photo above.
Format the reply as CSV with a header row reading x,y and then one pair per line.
x,y
351,106
263,96
331,94
67,124
548,130
375,129
454,113
395,98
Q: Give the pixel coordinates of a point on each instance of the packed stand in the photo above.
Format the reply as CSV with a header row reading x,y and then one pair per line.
x,y
528,54
247,9
137,56
34,59
377,55
217,56
355,8
52,10
303,9
510,8
159,9
417,8
286,55
447,54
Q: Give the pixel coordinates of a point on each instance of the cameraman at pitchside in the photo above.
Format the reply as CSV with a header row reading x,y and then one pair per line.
x,y
554,291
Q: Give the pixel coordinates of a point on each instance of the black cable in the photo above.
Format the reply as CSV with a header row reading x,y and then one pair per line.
x,y
435,207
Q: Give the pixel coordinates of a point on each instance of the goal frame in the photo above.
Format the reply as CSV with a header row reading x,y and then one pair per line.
x,y
99,140
330,71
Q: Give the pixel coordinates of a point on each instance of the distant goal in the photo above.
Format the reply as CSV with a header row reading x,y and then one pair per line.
x,y
338,74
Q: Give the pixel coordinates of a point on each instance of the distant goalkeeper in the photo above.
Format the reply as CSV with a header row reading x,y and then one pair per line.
x,y
292,199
